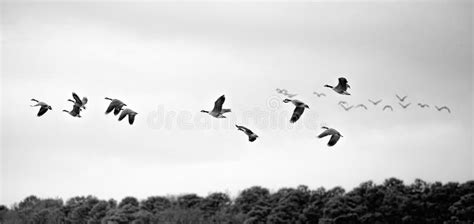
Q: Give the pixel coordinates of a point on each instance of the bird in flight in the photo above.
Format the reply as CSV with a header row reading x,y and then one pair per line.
x,y
75,112
319,94
342,102
217,111
401,98
361,105
335,135
422,105
130,113
299,109
341,87
387,107
252,136
375,102
443,108
404,106
346,108
282,91
291,95
116,105
78,101
44,107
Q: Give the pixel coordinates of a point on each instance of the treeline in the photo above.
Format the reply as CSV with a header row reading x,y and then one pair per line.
x,y
391,202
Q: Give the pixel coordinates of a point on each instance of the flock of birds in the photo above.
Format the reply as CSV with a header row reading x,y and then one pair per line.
x,y
117,106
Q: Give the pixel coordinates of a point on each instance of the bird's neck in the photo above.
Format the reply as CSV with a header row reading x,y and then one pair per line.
x,y
328,86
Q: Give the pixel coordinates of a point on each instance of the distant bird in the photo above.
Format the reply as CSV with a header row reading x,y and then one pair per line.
x,y
299,109
116,105
130,113
387,107
346,108
361,105
342,102
291,95
75,112
404,106
375,102
252,136
335,135
217,111
319,94
401,98
44,107
423,105
341,87
443,108
78,101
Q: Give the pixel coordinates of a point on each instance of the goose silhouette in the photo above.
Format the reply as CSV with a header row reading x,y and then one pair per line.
x,y
115,105
319,94
341,87
44,107
299,109
78,101
335,135
443,108
217,111
375,102
404,106
252,136
130,113
387,107
401,98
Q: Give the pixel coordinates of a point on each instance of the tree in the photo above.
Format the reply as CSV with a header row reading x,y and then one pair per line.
x,y
464,208
155,204
248,198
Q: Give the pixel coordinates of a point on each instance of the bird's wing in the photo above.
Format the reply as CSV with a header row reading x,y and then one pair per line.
x,y
378,102
76,98
226,111
333,140
297,114
123,114
342,84
218,104
35,100
42,110
372,102
445,108
117,110
252,138
110,108
131,118
325,133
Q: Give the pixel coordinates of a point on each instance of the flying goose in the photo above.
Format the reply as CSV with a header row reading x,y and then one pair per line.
x,y
375,102
319,94
346,108
252,136
75,112
217,111
387,107
335,135
78,102
443,108
422,105
341,87
44,107
116,105
131,115
404,106
291,95
299,109
361,105
401,98
282,91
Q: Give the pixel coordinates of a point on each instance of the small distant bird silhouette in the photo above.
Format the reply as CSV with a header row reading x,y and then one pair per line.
x,y
217,111
346,108
361,105
291,95
404,106
116,105
319,94
130,113
78,101
375,102
44,107
282,91
75,112
341,87
387,107
335,135
443,108
423,105
401,98
342,102
299,109
252,136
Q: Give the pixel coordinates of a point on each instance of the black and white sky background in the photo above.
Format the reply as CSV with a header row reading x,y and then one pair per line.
x,y
169,60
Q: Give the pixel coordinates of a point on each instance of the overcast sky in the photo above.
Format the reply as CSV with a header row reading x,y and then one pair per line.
x,y
167,61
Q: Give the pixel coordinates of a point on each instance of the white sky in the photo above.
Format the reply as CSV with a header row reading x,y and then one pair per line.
x,y
178,58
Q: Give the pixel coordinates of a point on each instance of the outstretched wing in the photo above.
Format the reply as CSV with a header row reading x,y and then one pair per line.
x,y
297,114
342,84
76,98
244,129
333,140
218,104
131,118
42,110
388,107
122,115
325,133
110,108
